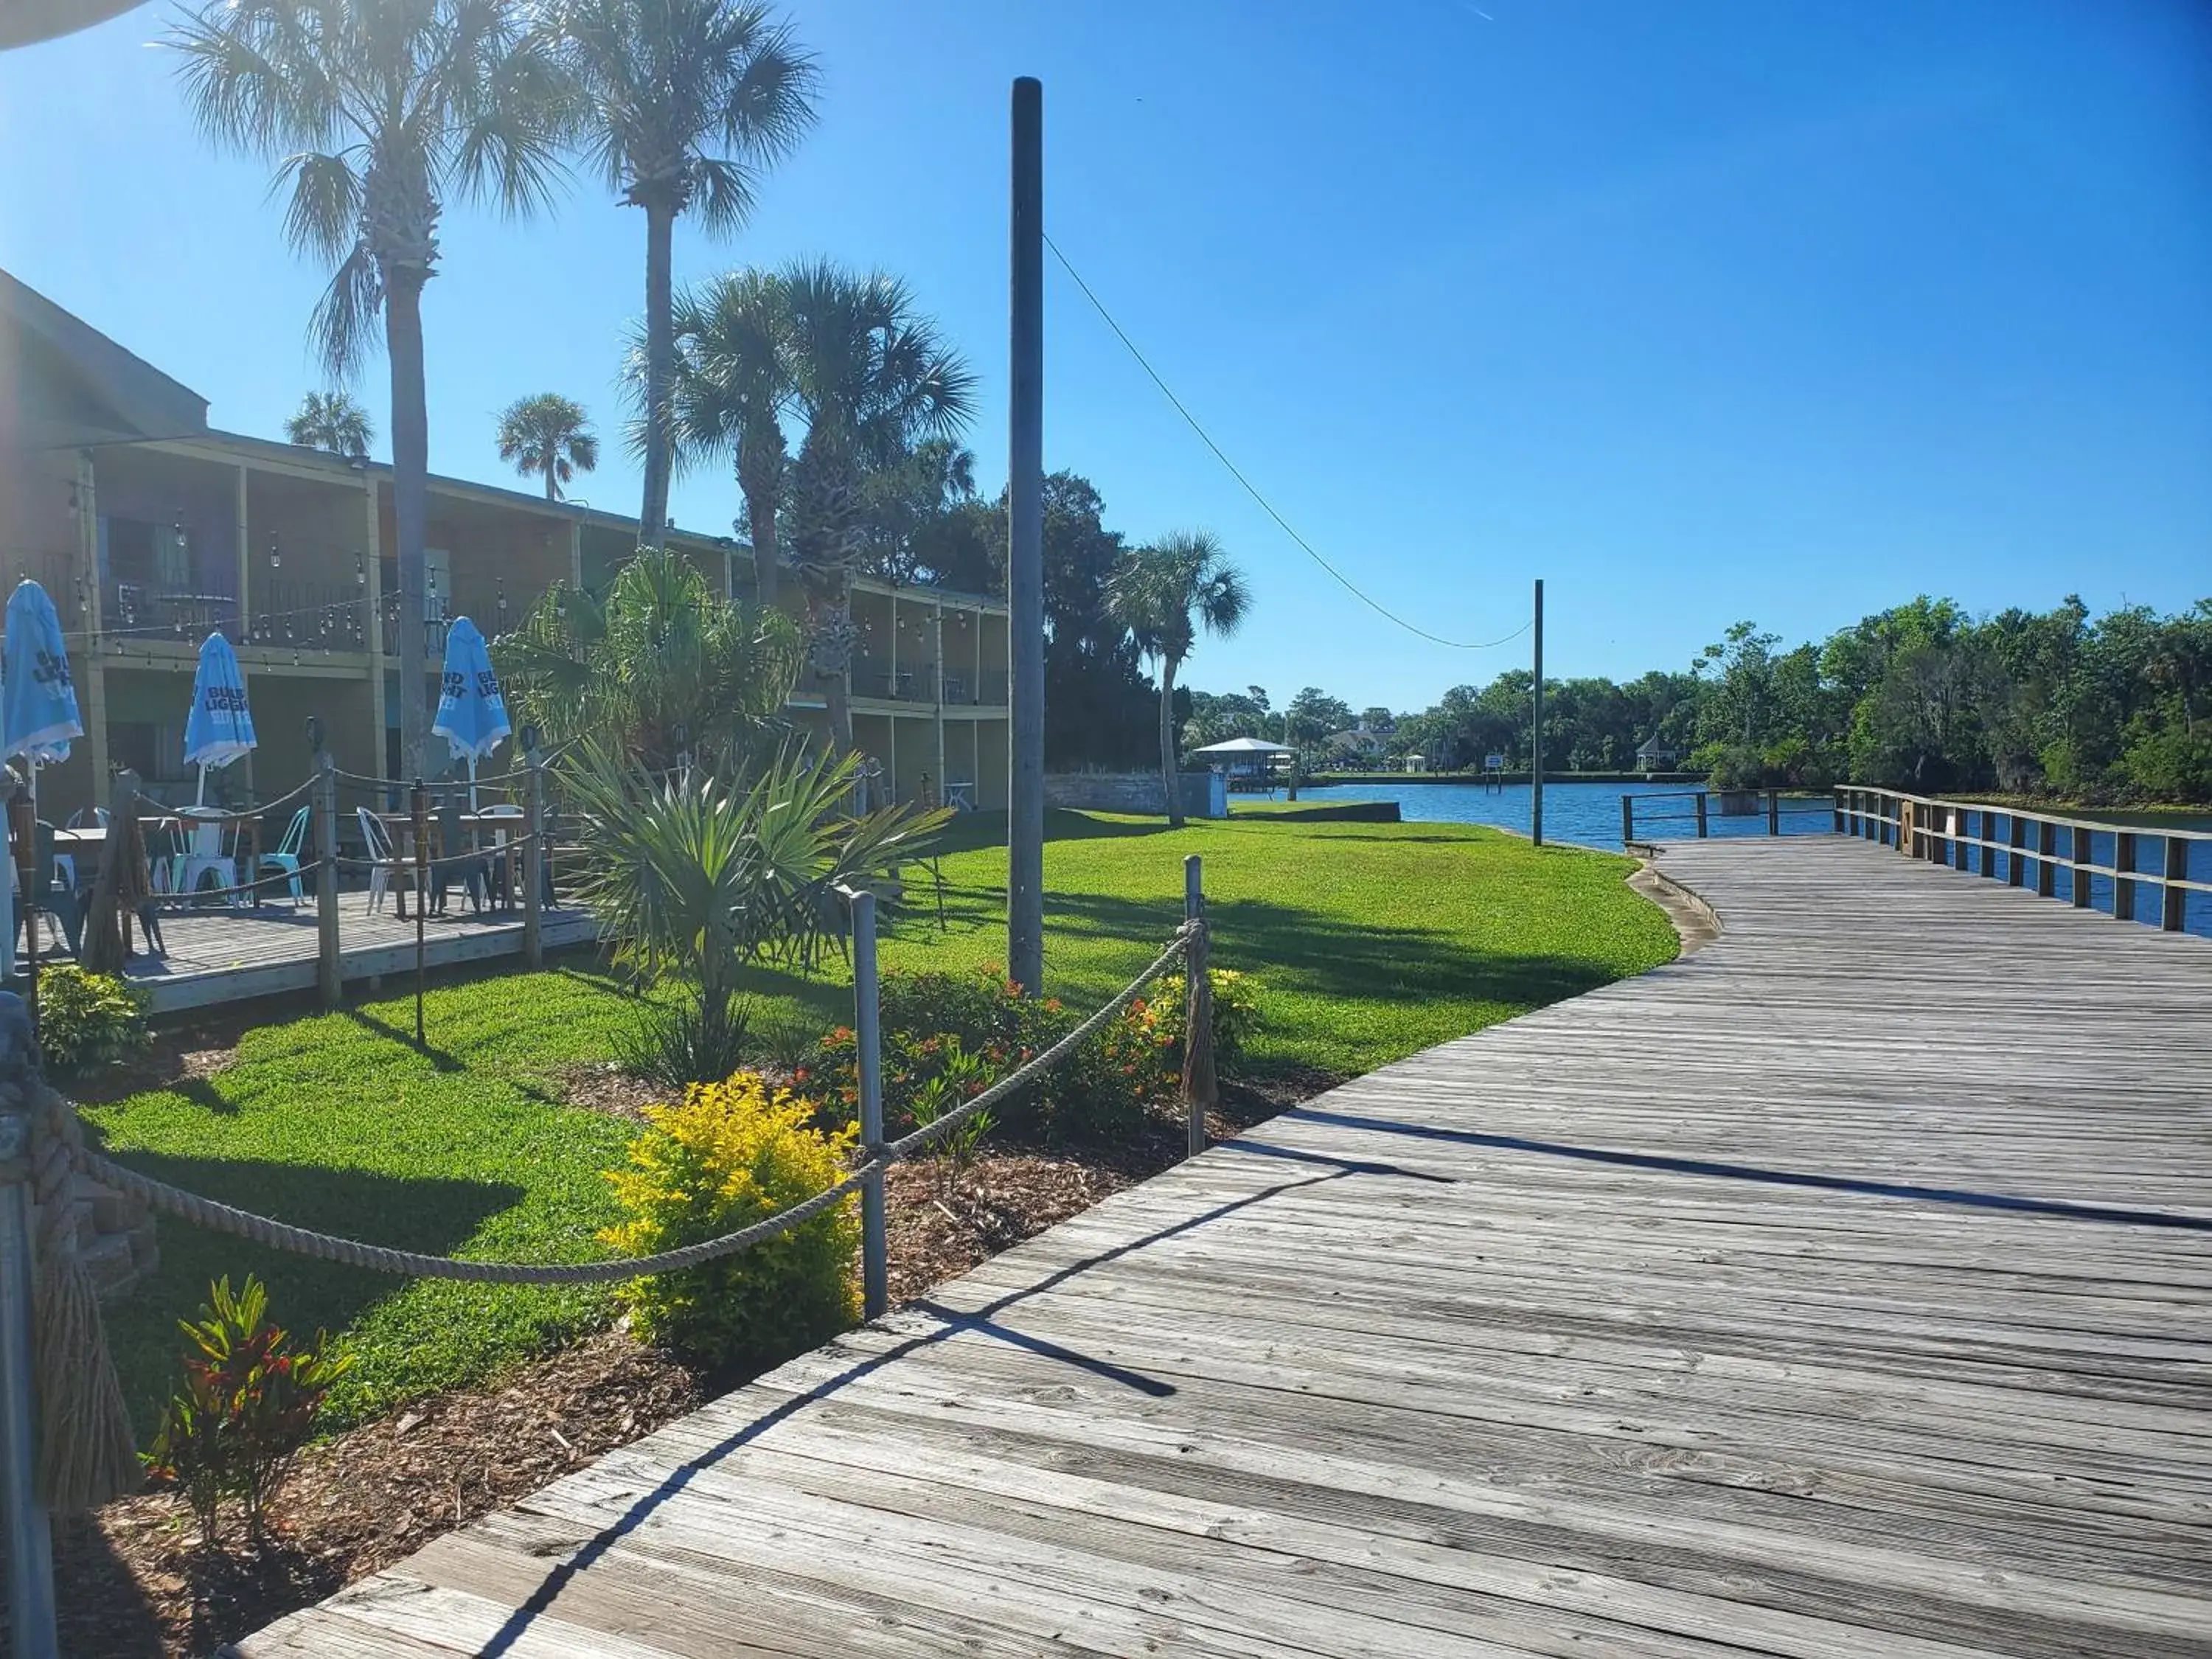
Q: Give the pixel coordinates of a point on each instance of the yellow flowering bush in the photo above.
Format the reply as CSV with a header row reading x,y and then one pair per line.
x,y
726,1156
1236,1012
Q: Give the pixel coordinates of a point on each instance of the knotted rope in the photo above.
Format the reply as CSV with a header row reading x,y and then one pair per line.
x,y
87,1455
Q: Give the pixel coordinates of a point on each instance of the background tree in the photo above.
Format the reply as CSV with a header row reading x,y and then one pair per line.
x,y
732,387
548,435
686,102
374,110
334,421
871,378
1165,594
663,665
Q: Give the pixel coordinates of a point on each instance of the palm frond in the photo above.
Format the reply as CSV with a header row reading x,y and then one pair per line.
x,y
343,327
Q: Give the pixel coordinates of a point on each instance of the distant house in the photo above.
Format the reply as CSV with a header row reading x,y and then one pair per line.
x,y
1657,755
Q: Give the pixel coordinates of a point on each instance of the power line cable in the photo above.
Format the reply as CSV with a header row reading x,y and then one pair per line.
x,y
1266,506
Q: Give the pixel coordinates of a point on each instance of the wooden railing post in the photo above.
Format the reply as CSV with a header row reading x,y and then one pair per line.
x,y
29,1531
533,863
1200,1086
330,967
2046,858
1627,819
2077,840
1985,822
2173,906
1701,815
1774,812
867,1037
2124,864
2015,862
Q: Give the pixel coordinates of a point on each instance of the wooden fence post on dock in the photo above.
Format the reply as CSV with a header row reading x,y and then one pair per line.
x,y
29,1546
2046,858
1627,819
533,863
1701,815
1985,821
1774,812
2174,900
1200,1086
2077,841
330,968
2015,862
2124,864
867,1040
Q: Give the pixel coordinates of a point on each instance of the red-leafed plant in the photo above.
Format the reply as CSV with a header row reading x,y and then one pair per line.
x,y
247,1406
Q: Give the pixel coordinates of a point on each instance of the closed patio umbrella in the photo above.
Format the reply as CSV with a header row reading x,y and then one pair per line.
x,y
38,707
221,726
472,712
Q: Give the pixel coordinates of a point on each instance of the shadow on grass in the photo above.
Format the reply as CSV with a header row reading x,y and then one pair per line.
x,y
1358,960
441,1060
974,832
430,1214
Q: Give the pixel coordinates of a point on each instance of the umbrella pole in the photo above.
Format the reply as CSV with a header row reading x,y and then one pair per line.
x,y
31,897
472,782
418,808
201,799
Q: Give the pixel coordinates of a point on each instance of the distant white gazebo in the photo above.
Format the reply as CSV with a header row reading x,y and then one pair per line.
x,y
1251,758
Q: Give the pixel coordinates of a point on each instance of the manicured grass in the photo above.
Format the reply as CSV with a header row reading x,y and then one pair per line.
x,y
1367,942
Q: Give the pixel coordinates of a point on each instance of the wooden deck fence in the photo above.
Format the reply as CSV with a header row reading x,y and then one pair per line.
x,y
2011,842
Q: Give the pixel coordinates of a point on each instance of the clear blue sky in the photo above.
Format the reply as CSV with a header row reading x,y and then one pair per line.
x,y
1698,310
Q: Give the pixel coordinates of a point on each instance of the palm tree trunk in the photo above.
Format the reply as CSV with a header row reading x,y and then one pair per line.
x,y
552,489
410,502
760,519
1168,780
660,367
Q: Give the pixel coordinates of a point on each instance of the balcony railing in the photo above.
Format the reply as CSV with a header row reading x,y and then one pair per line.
x,y
915,683
310,616
988,690
152,610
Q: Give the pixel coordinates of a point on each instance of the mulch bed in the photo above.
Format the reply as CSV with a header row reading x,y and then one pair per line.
x,y
135,1584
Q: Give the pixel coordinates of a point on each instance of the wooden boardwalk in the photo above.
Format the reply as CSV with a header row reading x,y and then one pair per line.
x,y
224,955
1843,1289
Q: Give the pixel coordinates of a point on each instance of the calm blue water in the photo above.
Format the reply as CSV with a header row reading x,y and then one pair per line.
x,y
1590,815
1586,813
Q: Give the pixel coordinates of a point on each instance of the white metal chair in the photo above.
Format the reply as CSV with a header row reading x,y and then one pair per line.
x,y
207,852
285,861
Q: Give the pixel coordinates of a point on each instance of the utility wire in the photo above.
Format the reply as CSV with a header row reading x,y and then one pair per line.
x,y
1266,506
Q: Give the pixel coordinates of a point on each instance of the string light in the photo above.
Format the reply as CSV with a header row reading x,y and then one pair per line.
x,y
276,558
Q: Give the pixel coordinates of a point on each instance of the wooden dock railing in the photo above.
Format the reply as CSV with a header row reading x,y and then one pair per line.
x,y
2012,842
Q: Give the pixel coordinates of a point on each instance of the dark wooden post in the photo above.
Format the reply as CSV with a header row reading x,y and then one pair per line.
x,y
1200,1086
1536,727
1985,820
2046,858
330,967
2174,900
867,1040
1627,819
2077,840
1841,802
533,863
1962,849
1701,815
2016,860
2123,865
31,1616
1774,812
418,809
1025,545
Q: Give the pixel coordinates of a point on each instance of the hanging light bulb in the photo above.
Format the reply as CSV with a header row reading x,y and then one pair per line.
x,y
276,558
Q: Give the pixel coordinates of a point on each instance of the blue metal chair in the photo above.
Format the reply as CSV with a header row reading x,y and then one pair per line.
x,y
285,861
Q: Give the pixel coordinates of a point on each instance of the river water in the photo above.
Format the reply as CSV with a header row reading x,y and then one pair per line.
x,y
1588,814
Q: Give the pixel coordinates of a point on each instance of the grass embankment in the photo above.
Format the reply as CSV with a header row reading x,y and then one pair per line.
x,y
1367,942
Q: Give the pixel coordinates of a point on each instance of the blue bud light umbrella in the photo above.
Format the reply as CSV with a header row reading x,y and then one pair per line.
x,y
471,713
221,726
38,702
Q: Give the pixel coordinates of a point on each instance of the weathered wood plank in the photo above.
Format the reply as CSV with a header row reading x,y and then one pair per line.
x,y
1799,1297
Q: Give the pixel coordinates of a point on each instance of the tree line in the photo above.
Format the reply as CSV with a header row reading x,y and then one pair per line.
x,y
1921,697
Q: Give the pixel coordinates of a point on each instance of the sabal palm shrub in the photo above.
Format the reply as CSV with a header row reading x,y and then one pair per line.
x,y
695,875
1165,594
662,666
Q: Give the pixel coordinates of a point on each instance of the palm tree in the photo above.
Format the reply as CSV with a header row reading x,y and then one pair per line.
x,y
732,388
687,102
870,378
331,420
665,666
551,434
1164,595
374,110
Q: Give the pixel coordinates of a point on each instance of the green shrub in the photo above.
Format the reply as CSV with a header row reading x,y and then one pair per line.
x,y
727,1155
693,1041
87,1020
248,1405
962,1076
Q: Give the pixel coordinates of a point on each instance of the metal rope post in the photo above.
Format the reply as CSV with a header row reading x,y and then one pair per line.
x,y
30,1545
1198,1087
875,1249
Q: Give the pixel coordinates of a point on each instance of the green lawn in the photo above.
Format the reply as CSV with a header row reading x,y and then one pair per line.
x,y
1367,942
